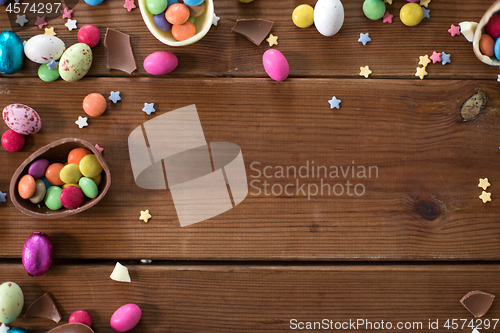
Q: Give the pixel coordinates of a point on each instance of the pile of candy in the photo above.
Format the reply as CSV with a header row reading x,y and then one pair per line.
x,y
60,185
489,44
176,17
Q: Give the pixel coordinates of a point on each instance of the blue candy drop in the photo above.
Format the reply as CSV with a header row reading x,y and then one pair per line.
x,y
17,330
11,52
93,2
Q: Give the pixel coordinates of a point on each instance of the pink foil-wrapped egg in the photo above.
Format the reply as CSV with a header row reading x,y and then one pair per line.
x,y
37,254
22,119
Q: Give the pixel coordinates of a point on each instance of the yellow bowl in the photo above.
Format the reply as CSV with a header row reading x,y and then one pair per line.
x,y
202,24
479,32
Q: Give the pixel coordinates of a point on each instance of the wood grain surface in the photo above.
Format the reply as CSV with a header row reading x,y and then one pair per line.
x,y
408,249
178,298
422,205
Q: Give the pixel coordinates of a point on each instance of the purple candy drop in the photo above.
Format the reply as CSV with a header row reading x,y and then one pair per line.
x,y
161,22
37,254
37,169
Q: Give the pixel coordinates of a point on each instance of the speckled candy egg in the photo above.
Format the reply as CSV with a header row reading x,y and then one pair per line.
x,y
22,119
44,48
328,16
11,301
11,52
75,62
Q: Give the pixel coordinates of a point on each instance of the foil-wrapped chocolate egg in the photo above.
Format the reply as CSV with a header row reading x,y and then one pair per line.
x,y
37,254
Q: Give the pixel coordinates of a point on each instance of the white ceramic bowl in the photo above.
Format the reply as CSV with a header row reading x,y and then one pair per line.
x,y
202,24
495,8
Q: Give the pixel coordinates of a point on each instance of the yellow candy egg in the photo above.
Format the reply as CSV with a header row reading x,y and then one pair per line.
x,y
411,14
303,16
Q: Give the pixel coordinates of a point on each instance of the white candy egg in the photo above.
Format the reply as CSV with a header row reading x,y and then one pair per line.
x,y
328,16
44,48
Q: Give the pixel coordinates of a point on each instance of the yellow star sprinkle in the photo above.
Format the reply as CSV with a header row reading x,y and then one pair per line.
x,y
272,40
421,72
365,71
485,196
388,1
145,216
50,31
424,60
424,3
483,183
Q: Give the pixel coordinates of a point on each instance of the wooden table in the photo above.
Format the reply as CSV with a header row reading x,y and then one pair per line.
x,y
406,250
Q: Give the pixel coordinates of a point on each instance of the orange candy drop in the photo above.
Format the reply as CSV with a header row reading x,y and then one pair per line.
x,y
183,31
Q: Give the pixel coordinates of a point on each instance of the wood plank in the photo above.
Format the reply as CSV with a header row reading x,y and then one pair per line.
x,y
178,298
393,53
422,206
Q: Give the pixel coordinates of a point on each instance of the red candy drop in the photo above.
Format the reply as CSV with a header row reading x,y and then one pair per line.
x,y
12,141
71,197
493,26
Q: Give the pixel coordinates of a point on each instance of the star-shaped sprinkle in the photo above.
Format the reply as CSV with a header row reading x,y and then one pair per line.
x,y
435,57
483,183
145,216
426,13
82,122
272,40
485,196
129,4
71,24
365,71
115,96
99,149
498,78
388,1
4,328
67,13
149,108
50,31
387,18
21,20
52,64
40,21
445,58
215,20
421,72
424,60
3,197
454,31
334,103
364,38
424,3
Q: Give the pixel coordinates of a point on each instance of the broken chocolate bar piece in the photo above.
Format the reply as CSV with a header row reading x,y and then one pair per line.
x,y
253,29
44,307
119,51
477,302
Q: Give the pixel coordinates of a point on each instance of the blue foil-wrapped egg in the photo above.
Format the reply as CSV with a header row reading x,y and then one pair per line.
x,y
17,330
3,2
11,52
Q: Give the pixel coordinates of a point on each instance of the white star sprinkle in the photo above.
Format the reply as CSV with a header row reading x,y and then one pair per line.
x,y
21,20
82,122
71,24
215,20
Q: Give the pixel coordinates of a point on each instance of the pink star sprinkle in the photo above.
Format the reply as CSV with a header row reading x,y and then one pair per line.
x,y
99,148
129,4
387,18
454,31
40,21
435,57
66,13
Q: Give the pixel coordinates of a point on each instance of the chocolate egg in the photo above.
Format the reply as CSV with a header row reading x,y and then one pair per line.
x,y
37,254
11,301
11,52
22,119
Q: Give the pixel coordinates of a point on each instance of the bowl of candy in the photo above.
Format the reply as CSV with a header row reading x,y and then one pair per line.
x,y
177,24
487,31
63,178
